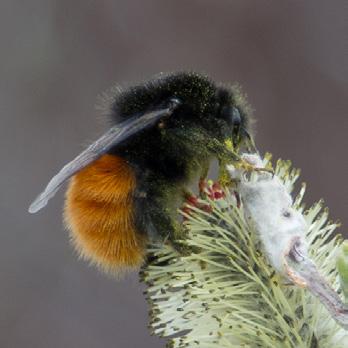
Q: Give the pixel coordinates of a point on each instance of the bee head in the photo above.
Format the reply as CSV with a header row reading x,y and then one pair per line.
x,y
233,110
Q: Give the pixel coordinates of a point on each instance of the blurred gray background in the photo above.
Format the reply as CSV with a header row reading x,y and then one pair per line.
x,y
57,56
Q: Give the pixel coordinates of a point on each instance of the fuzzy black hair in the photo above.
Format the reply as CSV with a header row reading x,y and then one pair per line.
x,y
194,90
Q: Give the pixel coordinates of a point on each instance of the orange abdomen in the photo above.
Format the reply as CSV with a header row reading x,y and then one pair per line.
x,y
100,216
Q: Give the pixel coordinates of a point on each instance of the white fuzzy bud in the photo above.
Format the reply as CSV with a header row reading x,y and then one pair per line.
x,y
268,208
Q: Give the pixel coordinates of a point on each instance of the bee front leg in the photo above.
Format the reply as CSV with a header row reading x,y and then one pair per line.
x,y
204,171
163,222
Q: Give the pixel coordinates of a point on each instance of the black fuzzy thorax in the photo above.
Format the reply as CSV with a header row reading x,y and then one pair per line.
x,y
195,90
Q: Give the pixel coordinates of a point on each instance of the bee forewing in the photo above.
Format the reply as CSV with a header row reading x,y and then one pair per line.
x,y
112,137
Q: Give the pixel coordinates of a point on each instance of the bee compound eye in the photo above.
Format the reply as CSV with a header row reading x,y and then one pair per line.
x,y
232,116
235,117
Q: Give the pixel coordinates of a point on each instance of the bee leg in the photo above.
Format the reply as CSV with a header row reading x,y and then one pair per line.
x,y
224,177
249,167
187,194
167,231
222,152
164,227
204,171
203,178
174,232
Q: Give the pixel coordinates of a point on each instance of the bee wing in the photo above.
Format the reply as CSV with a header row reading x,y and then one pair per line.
x,y
112,137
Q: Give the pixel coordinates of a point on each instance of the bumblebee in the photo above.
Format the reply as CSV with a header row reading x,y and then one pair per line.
x,y
125,189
